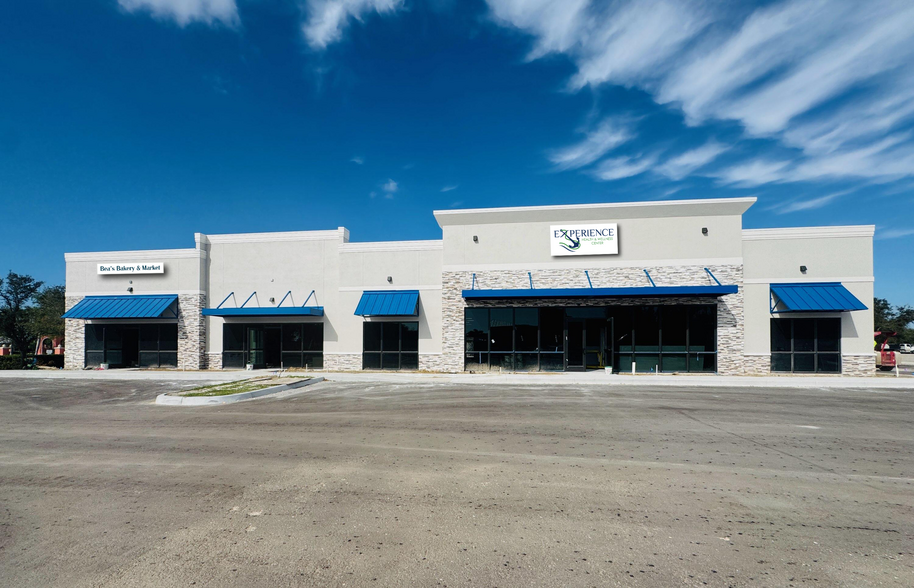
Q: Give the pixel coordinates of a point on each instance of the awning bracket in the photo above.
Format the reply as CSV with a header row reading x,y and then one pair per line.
x,y
586,273
308,298
713,277
473,285
226,299
650,279
530,277
249,298
284,298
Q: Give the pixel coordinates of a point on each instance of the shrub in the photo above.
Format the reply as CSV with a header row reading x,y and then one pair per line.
x,y
51,360
11,362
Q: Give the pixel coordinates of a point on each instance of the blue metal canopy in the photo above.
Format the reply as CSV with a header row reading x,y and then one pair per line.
x,y
813,297
139,306
273,311
640,291
389,303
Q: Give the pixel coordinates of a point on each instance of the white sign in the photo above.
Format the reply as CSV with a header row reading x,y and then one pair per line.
x,y
147,267
575,239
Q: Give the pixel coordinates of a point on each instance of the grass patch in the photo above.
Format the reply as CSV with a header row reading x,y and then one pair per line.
x,y
241,386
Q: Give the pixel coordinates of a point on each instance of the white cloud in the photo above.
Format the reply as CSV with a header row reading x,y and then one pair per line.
x,y
448,188
830,77
882,234
608,135
326,19
810,204
622,167
389,188
358,160
682,165
752,173
184,12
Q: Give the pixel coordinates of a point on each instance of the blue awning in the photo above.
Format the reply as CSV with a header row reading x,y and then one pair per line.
x,y
389,303
813,297
274,311
635,292
139,306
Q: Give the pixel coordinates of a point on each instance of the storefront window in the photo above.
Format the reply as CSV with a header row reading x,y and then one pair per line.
x,y
286,345
806,345
390,345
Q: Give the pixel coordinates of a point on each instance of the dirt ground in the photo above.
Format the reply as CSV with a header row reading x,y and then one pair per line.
x,y
444,485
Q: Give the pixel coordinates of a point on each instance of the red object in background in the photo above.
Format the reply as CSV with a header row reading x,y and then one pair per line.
x,y
5,351
55,343
887,358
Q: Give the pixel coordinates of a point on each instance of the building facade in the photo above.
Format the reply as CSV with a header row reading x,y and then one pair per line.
x,y
674,286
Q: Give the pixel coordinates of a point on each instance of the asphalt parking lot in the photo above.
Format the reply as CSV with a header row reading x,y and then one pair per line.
x,y
359,484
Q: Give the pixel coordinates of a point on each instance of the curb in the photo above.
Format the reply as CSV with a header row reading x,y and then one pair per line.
x,y
174,400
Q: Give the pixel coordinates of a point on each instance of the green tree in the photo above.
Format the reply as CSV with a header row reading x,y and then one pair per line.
x,y
17,292
50,304
894,318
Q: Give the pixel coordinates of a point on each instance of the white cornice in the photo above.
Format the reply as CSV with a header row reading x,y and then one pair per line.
x,y
574,212
809,233
341,234
392,246
148,254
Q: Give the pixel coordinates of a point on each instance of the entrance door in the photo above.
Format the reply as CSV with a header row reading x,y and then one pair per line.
x,y
255,347
574,345
131,350
595,343
272,339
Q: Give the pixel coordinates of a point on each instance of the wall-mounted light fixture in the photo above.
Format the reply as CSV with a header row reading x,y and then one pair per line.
x,y
704,230
802,269
475,239
272,300
130,289
390,279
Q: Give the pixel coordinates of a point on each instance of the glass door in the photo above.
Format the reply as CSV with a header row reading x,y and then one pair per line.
x,y
574,345
255,347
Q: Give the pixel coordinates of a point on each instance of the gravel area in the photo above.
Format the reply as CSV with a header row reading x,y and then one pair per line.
x,y
433,484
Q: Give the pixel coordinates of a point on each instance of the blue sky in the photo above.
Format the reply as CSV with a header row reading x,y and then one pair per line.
x,y
132,124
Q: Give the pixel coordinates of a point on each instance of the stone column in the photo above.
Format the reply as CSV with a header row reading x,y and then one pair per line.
x,y
191,331
75,339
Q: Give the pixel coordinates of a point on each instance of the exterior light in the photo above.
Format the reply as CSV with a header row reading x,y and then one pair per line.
x,y
272,299
475,239
803,269
130,289
704,230
390,279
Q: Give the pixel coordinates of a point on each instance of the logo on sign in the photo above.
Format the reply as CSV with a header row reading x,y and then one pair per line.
x,y
576,239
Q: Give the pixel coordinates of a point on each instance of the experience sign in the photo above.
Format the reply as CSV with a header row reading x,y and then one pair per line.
x,y
575,239
147,267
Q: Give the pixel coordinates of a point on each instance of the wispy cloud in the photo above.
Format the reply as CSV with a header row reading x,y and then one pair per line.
x,y
752,173
792,71
682,165
809,204
882,234
389,188
449,188
326,19
609,134
358,160
617,168
184,12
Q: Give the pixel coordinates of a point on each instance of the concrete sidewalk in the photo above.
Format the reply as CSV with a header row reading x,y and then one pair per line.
x,y
880,382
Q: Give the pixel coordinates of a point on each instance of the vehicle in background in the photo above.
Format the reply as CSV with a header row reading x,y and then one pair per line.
x,y
907,348
885,359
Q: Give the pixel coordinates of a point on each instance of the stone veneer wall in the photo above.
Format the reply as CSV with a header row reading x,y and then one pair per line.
x,y
343,362
74,355
858,365
730,337
191,332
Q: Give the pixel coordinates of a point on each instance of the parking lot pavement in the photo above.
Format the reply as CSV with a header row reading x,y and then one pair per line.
x,y
385,484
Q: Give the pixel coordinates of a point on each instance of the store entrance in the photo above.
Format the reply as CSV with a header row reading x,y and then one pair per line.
x,y
588,340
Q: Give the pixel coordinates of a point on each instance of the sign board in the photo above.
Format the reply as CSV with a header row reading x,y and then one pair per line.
x,y
576,239
147,267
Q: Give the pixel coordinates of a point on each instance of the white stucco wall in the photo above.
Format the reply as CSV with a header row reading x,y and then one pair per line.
x,y
830,254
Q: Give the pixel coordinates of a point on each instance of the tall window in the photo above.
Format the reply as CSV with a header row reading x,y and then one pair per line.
x,y
807,345
390,345
666,338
